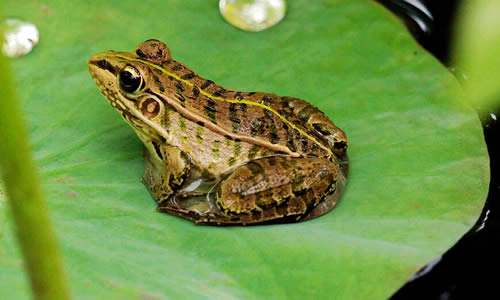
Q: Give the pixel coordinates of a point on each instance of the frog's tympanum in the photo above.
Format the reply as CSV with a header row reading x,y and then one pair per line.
x,y
220,156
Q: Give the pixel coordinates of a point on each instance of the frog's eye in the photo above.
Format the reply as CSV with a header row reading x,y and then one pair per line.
x,y
130,80
150,107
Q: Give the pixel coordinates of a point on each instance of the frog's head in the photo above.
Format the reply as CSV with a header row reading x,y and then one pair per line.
x,y
125,79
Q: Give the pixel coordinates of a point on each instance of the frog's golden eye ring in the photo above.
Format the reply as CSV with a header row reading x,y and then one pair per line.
x,y
130,80
150,107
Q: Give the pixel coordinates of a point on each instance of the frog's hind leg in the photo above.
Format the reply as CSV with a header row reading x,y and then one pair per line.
x,y
279,189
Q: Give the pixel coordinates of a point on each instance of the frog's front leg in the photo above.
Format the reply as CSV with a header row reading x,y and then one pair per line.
x,y
280,187
166,168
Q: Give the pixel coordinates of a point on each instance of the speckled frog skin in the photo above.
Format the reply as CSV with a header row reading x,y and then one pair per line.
x,y
219,156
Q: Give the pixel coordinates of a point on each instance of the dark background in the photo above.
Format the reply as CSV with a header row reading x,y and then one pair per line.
x,y
467,270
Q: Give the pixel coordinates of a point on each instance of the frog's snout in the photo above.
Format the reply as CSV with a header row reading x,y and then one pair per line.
x,y
99,63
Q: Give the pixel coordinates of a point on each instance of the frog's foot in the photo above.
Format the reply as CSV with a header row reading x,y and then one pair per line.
x,y
279,189
194,208
193,201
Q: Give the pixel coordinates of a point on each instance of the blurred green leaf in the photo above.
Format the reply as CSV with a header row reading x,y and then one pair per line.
x,y
418,176
478,51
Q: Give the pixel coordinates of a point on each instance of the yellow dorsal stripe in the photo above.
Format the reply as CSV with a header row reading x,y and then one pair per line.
x,y
217,98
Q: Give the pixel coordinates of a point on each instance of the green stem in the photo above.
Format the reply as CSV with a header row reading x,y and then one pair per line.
x,y
32,224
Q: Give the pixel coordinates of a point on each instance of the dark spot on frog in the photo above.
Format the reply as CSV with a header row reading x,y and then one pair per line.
x,y
105,65
266,100
231,161
196,91
273,136
177,67
188,76
305,145
158,82
238,96
305,113
243,107
256,126
233,108
211,110
255,168
156,146
206,84
340,146
211,105
179,86
320,128
219,93
140,53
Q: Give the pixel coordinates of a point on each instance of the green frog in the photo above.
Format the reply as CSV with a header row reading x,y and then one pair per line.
x,y
220,156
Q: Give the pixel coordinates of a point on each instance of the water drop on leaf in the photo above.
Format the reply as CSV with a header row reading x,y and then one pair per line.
x,y
252,15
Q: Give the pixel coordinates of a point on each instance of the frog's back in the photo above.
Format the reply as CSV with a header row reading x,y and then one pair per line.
x,y
275,120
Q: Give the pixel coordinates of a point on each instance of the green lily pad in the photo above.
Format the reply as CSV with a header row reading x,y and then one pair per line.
x,y
418,173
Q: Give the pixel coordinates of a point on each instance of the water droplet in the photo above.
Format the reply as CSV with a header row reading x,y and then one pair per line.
x,y
19,37
252,15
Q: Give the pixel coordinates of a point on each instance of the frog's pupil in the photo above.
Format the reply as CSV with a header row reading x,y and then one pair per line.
x,y
129,81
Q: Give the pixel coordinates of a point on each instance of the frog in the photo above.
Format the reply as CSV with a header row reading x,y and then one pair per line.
x,y
219,156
